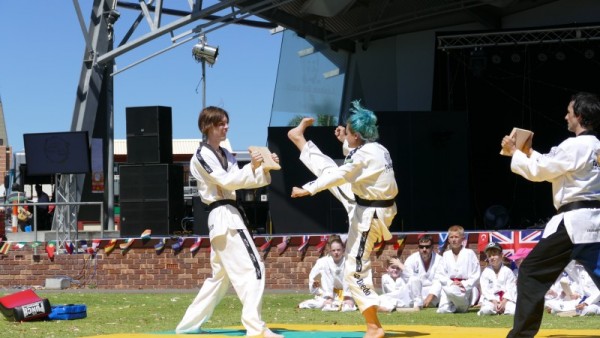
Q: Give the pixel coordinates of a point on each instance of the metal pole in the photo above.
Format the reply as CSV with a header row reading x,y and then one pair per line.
x,y
203,84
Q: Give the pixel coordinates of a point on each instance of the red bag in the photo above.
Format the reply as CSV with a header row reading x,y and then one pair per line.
x,y
24,306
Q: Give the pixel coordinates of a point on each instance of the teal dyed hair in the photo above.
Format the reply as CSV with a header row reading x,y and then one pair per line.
x,y
363,122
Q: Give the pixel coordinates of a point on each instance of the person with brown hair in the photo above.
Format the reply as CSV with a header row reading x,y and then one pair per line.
x,y
234,257
572,234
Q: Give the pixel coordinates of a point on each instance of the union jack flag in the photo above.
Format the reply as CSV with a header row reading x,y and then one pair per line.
x,y
511,241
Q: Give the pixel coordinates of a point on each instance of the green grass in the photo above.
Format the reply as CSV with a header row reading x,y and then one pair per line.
x,y
112,312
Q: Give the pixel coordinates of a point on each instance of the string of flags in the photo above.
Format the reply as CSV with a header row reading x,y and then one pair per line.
x,y
509,240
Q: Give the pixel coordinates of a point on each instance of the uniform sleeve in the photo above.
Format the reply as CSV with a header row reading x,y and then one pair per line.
x,y
206,167
338,176
314,273
546,167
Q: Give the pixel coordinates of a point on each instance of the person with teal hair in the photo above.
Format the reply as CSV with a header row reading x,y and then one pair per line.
x,y
369,172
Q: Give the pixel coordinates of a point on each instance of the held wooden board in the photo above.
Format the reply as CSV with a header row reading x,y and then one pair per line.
x,y
268,162
521,136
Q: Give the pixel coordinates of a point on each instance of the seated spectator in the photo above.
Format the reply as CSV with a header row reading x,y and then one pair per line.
x,y
578,294
458,274
498,284
419,274
395,292
326,281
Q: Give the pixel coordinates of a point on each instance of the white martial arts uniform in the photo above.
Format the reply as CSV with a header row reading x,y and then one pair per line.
x,y
395,293
465,268
318,163
574,172
331,275
496,287
370,173
234,258
574,233
580,283
420,280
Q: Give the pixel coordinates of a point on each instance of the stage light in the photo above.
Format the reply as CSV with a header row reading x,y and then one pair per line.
x,y
589,54
496,59
516,58
203,52
560,56
542,57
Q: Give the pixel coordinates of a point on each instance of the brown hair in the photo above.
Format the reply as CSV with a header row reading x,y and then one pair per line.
x,y
210,116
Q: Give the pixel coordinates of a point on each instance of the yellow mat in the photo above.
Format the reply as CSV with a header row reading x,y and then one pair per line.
x,y
352,331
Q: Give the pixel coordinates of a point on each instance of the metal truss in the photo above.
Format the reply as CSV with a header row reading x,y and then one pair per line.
x,y
521,37
94,99
65,214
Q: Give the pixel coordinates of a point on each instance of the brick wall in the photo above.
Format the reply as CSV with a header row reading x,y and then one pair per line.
x,y
142,268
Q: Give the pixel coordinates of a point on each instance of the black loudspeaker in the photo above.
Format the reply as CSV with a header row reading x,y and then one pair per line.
x,y
151,197
149,135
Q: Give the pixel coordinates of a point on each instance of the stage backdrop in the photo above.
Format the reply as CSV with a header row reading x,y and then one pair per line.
x,y
429,152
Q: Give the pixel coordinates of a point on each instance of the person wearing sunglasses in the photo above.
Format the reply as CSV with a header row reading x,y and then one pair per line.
x,y
419,274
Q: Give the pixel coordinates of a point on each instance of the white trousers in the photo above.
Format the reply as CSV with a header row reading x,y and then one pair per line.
x,y
232,264
357,271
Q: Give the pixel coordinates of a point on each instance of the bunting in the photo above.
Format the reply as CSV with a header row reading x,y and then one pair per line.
x,y
50,249
110,246
196,246
18,246
267,245
442,242
177,245
378,246
126,245
283,245
94,249
511,241
400,244
4,248
69,247
160,246
145,236
482,241
322,245
304,245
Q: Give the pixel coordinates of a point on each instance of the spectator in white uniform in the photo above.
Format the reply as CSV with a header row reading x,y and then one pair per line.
x,y
395,292
498,284
419,274
458,273
326,281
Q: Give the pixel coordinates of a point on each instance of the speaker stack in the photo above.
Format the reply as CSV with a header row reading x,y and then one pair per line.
x,y
151,186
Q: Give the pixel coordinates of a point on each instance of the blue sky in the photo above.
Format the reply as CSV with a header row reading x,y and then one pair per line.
x,y
41,50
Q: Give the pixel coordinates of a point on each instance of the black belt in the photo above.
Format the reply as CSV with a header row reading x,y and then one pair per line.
x,y
373,203
233,203
579,205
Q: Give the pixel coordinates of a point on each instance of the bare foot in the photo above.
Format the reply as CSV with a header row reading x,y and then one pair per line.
x,y
374,333
296,134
